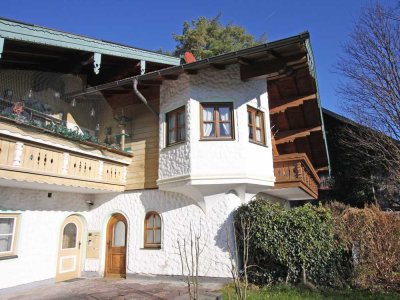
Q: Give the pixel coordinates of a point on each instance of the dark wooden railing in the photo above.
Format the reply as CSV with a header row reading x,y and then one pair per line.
x,y
295,170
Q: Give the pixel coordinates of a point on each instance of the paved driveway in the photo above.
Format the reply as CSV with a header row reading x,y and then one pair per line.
x,y
101,288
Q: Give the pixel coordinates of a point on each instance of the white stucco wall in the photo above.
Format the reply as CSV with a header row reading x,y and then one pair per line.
x,y
41,219
194,166
178,214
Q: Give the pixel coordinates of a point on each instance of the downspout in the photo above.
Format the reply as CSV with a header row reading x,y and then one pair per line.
x,y
141,97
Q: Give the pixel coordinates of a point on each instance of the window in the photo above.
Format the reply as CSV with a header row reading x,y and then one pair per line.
x,y
176,126
119,234
152,230
8,234
69,236
216,121
256,125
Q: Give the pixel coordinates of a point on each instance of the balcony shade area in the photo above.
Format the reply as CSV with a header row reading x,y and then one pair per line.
x,y
296,178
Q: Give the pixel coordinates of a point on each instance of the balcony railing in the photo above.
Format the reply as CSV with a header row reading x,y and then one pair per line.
x,y
296,171
41,158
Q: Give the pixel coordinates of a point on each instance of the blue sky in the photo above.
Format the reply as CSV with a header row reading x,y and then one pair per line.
x,y
149,24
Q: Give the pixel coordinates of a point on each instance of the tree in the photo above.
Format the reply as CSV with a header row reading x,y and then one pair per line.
x,y
370,65
208,37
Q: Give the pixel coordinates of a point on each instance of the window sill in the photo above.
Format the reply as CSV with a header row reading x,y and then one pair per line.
x,y
171,146
217,139
5,257
257,143
150,248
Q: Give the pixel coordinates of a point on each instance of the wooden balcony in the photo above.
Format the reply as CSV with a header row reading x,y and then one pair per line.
x,y
296,178
29,158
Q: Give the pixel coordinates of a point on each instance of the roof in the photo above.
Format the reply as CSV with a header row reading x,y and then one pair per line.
x,y
19,31
282,48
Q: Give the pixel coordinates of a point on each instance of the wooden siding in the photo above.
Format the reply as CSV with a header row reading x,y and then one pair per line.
x,y
144,141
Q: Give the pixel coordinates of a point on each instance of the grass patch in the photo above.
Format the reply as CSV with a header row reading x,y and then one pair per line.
x,y
284,292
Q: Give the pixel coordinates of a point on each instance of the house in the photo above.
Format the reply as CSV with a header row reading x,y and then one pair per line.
x,y
110,154
355,178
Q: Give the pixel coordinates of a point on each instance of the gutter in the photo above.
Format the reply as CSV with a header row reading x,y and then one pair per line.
x,y
141,97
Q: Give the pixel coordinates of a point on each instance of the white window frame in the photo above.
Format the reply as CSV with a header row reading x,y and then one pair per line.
x,y
12,251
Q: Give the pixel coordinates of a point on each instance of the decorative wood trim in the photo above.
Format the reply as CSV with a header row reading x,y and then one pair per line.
x,y
216,121
154,228
15,235
290,135
291,103
253,125
175,114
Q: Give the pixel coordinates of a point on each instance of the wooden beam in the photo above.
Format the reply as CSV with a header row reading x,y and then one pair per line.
x,y
261,69
273,67
244,61
150,82
218,66
292,103
290,135
191,72
322,169
170,77
274,148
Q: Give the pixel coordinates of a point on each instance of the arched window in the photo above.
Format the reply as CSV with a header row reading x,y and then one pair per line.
x,y
152,230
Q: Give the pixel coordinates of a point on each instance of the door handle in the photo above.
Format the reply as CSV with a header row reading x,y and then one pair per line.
x,y
79,245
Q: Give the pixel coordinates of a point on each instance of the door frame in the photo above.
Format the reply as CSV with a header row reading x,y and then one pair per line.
x,y
106,230
82,247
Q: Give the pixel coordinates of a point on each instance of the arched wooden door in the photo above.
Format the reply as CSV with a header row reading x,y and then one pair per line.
x,y
116,246
69,253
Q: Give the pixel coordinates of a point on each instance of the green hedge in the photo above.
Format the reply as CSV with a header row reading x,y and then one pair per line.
x,y
286,243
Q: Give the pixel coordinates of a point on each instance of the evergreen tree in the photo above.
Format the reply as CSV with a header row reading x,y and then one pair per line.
x,y
209,37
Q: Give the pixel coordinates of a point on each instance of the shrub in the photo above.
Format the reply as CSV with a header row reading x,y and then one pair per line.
x,y
291,245
373,239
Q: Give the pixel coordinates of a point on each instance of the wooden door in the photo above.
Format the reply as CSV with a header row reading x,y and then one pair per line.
x,y
69,253
116,246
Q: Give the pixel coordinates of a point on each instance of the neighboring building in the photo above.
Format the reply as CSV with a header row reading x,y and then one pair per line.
x,y
109,154
354,180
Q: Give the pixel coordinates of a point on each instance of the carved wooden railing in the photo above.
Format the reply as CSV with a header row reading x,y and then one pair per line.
x,y
295,170
27,159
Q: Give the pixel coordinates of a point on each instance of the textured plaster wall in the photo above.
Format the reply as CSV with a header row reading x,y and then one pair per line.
x,y
174,161
216,159
41,219
178,214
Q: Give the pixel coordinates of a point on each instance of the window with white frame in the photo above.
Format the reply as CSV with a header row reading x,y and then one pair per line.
x,y
8,232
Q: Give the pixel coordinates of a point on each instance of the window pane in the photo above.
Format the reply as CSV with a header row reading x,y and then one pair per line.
x,y
258,135
69,236
225,129
157,221
224,113
182,134
119,234
208,114
157,236
171,121
150,221
258,121
149,239
251,134
181,118
208,129
6,225
171,137
5,243
249,115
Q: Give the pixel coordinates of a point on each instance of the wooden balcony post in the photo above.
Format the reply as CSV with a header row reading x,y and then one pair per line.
x,y
101,167
64,169
19,147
